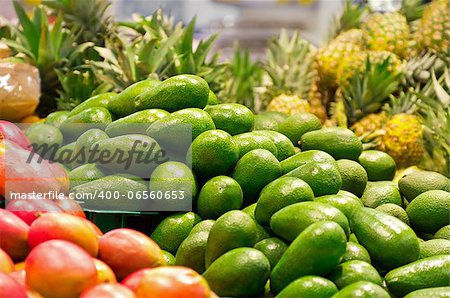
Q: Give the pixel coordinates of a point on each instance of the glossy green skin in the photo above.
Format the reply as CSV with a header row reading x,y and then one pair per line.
x,y
249,141
284,146
378,164
345,204
390,242
212,99
425,273
432,204
319,249
114,184
44,136
277,116
203,226
394,210
381,192
338,142
324,178
273,248
176,93
168,127
443,233
171,232
278,194
255,170
96,117
191,252
232,230
126,143
305,157
434,247
309,286
100,100
64,154
295,126
218,196
355,251
136,123
354,176
87,139
362,289
231,117
213,153
351,272
440,292
292,220
241,272
123,104
84,174
265,123
168,258
173,175
419,182
56,118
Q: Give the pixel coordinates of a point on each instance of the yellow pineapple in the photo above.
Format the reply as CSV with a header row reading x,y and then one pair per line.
x,y
388,32
292,77
353,36
357,64
403,139
330,57
367,129
434,27
288,104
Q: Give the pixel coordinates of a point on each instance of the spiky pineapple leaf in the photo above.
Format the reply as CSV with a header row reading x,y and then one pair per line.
x,y
351,17
368,91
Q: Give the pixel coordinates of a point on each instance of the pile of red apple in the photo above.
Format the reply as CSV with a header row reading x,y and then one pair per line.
x,y
48,249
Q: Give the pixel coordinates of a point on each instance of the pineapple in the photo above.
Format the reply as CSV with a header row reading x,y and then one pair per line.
x,y
288,104
402,135
292,77
354,36
364,97
88,16
329,58
388,32
237,83
350,18
419,69
50,47
356,65
434,28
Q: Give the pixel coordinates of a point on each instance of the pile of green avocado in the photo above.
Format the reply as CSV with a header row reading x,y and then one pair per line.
x,y
283,208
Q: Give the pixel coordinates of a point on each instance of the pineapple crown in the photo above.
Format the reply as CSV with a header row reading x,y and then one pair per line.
x,y
368,91
289,64
241,77
91,16
351,17
434,112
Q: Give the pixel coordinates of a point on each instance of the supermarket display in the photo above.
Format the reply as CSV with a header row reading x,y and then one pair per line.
x,y
313,172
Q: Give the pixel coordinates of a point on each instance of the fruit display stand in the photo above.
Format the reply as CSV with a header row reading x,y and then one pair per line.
x,y
313,172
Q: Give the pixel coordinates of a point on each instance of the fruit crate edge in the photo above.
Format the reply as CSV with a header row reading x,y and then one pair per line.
x,y
144,222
